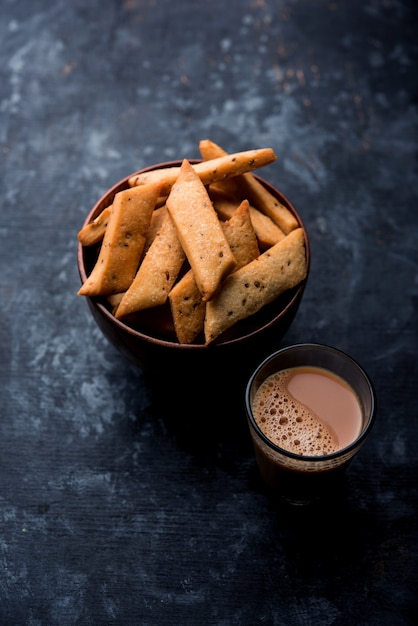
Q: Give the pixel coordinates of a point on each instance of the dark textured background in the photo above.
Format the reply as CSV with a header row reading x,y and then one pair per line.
x,y
111,513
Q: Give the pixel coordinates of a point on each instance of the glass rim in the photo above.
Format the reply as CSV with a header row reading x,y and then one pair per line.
x,y
306,458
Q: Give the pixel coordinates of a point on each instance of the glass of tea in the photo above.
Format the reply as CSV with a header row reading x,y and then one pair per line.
x,y
310,407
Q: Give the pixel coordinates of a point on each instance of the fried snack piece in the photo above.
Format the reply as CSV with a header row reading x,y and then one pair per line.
x,y
157,219
256,284
240,235
123,241
94,232
268,204
246,186
199,231
209,171
157,272
187,306
268,233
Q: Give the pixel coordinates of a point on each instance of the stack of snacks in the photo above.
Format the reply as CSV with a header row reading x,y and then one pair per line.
x,y
206,243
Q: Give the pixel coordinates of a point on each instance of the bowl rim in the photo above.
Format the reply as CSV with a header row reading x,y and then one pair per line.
x,y
107,197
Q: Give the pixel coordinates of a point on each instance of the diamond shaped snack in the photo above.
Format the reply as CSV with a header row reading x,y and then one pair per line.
x,y
123,241
199,231
256,284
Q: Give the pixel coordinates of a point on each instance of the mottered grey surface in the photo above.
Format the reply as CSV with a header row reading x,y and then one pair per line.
x,y
112,511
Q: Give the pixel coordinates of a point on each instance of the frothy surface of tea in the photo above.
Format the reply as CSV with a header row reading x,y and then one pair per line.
x,y
308,411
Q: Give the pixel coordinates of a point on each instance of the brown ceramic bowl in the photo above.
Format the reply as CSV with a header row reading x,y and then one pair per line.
x,y
237,350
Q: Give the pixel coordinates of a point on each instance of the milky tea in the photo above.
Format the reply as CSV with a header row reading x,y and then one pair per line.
x,y
310,408
308,411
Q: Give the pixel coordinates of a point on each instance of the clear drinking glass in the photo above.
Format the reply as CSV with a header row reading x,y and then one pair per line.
x,y
298,478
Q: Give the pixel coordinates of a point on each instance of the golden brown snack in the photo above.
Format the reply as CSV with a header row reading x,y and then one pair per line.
x,y
187,306
199,231
123,241
157,219
157,272
240,235
267,232
209,171
94,232
260,282
246,186
267,203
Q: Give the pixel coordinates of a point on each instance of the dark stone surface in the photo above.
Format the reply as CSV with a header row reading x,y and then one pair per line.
x,y
112,511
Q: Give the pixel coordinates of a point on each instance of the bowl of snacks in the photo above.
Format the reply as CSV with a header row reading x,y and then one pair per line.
x,y
195,266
